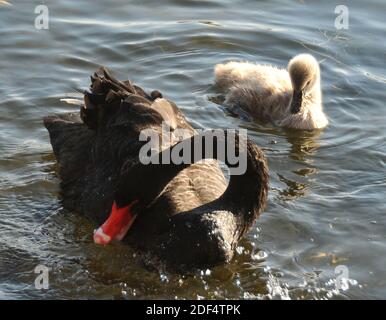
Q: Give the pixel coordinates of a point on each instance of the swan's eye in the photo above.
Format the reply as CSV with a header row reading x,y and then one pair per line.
x,y
308,83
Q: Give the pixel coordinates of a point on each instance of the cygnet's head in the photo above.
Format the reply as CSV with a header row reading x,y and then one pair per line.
x,y
305,74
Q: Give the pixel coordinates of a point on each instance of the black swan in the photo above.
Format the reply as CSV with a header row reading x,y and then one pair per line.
x,y
187,215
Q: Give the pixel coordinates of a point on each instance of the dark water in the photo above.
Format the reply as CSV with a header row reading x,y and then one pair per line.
x,y
327,200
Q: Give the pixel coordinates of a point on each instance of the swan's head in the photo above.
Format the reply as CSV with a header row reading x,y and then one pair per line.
x,y
305,74
134,191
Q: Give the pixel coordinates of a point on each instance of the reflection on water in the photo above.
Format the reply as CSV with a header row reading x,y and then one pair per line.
x,y
303,146
294,189
326,188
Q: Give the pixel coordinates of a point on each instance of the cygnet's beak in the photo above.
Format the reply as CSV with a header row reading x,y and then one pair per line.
x,y
296,102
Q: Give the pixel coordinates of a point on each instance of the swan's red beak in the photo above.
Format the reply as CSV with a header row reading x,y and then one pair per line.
x,y
116,226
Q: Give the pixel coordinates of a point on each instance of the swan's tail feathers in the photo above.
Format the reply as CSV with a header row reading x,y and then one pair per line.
x,y
106,95
104,98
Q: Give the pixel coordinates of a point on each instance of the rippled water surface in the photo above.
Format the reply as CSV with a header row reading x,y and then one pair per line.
x,y
327,199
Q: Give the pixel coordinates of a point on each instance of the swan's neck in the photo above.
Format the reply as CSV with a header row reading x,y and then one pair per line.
x,y
247,193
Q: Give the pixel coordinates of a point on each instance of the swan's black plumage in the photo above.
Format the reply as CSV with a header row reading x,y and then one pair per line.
x,y
188,214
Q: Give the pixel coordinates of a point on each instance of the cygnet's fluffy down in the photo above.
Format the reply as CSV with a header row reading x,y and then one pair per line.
x,y
289,98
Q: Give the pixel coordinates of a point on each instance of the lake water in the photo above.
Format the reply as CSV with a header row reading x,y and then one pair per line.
x,y
326,214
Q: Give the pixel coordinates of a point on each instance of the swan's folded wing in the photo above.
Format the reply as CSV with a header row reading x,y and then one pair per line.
x,y
67,133
71,141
